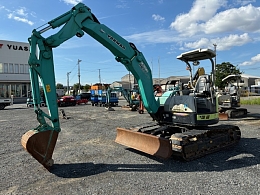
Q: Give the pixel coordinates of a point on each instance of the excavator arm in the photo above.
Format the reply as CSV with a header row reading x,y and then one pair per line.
x,y
40,142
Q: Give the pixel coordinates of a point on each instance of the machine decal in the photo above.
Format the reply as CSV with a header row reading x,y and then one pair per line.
x,y
116,41
143,67
48,88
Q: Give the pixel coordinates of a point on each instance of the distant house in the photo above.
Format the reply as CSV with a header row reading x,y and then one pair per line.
x,y
247,80
255,88
130,80
123,84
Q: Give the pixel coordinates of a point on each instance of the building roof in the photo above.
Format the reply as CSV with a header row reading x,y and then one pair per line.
x,y
249,76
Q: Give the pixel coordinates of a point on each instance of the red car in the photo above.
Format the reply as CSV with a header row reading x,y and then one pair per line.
x,y
80,100
67,101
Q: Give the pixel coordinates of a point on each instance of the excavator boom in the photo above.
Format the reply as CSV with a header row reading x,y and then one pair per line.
x,y
40,141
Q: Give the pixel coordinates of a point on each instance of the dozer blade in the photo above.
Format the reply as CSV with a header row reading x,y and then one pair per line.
x,y
223,116
143,142
40,145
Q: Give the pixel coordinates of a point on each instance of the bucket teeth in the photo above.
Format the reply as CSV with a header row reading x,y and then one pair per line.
x,y
146,143
40,145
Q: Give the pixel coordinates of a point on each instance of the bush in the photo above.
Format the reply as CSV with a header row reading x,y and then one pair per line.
x,y
255,101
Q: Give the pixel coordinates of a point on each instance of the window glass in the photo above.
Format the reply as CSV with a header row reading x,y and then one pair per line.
x,y
16,68
1,68
18,91
24,90
2,90
11,68
5,68
26,68
6,90
13,90
21,68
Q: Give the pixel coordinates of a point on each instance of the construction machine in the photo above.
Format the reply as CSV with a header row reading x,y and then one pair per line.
x,y
229,99
131,96
185,125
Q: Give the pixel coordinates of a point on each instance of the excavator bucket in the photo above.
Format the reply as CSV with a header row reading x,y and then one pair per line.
x,y
143,142
223,116
40,145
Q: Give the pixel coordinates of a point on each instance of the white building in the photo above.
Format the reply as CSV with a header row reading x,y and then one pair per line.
x,y
14,70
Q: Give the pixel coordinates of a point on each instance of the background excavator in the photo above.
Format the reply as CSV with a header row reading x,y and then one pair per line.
x,y
182,125
132,98
229,99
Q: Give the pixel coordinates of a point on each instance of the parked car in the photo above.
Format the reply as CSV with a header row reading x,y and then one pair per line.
x,y
80,100
67,101
29,102
85,95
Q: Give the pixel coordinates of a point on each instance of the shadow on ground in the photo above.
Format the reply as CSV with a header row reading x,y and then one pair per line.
x,y
244,154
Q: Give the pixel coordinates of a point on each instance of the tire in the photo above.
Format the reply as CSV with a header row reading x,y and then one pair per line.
x,y
141,111
2,106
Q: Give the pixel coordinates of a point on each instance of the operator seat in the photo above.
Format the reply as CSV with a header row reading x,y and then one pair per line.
x,y
202,87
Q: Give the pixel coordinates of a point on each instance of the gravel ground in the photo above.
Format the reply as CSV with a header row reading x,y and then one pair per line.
x,y
88,161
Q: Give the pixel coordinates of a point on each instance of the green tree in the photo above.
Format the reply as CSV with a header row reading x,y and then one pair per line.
x,y
76,87
59,86
86,87
222,70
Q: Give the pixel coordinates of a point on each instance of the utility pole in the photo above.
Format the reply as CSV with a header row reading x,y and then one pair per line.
x,y
79,74
99,76
159,71
152,66
215,63
215,49
68,84
129,81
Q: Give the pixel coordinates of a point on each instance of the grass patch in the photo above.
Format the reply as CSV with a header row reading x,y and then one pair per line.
x,y
255,101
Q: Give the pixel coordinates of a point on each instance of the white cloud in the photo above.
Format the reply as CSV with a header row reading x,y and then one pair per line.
x,y
203,18
224,43
245,2
159,36
72,2
122,4
160,1
19,15
253,60
19,19
202,11
157,17
244,19
21,11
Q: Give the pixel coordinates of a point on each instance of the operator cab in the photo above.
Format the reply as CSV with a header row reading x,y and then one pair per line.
x,y
196,106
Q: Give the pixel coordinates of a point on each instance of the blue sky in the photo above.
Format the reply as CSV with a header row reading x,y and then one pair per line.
x,y
160,29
